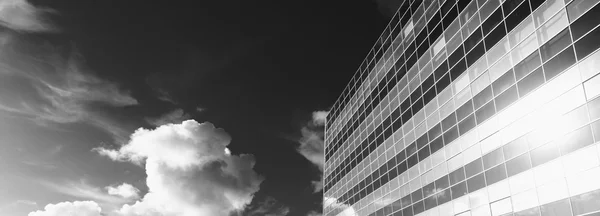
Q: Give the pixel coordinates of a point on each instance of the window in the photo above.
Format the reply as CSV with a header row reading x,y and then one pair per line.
x,y
530,63
476,183
588,44
544,154
459,190
503,82
457,175
483,97
521,32
559,63
493,158
532,81
517,16
552,27
578,7
464,110
586,203
506,98
518,165
449,122
473,168
466,125
586,22
546,11
485,112
555,45
472,40
576,140
475,54
488,8
495,174
496,35
558,208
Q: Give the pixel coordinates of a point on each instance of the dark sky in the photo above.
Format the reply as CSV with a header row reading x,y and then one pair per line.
x,y
257,68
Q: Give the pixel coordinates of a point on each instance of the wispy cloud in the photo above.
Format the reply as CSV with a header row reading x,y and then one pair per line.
x,y
20,15
83,190
312,144
268,207
189,171
175,116
51,84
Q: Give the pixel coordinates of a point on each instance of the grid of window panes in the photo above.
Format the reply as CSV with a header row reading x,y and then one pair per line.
x,y
512,92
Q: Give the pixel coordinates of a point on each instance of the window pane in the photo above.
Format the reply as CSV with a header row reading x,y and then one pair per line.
x,y
559,63
506,98
585,203
457,175
495,174
588,44
517,16
476,183
495,35
544,154
468,12
464,110
459,190
578,7
485,112
576,140
535,211
521,32
503,82
547,10
555,45
532,81
528,46
483,97
518,165
467,124
552,27
527,65
473,168
489,7
493,158
515,147
586,22
558,208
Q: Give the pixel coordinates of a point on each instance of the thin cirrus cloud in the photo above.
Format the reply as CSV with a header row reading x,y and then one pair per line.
x,y
50,84
312,144
189,171
175,116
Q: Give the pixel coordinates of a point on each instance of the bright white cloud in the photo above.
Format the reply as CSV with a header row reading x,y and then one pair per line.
x,y
21,16
77,208
188,171
312,144
124,190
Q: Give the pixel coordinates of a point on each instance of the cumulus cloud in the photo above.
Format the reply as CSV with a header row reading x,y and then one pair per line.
x,y
312,144
124,190
20,15
50,83
175,116
189,171
77,208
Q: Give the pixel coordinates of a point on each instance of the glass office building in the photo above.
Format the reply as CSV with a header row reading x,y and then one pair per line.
x,y
472,107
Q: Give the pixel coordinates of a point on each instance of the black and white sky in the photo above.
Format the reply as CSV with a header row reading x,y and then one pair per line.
x,y
164,108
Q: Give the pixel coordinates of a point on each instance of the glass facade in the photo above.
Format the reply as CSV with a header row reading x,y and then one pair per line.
x,y
472,107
